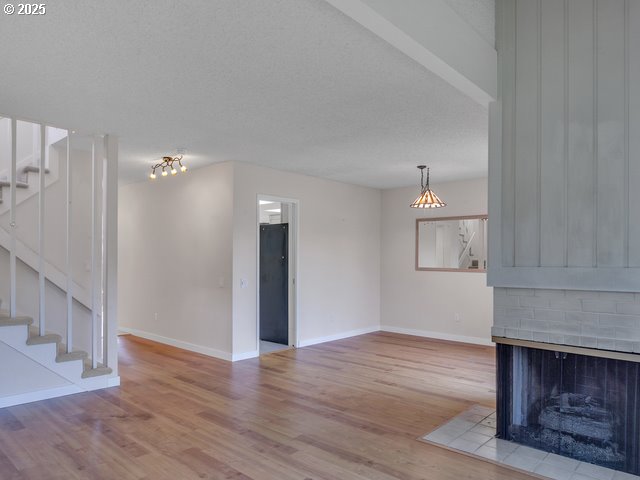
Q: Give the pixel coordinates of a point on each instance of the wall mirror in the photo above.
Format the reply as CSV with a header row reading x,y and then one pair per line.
x,y
452,244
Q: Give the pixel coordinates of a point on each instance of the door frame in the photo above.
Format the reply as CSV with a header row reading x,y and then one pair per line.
x,y
293,281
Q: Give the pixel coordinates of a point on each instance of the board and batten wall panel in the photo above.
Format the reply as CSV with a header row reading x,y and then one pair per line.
x,y
567,207
580,138
552,114
527,154
633,130
610,108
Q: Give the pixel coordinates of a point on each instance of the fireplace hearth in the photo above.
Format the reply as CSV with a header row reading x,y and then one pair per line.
x,y
580,406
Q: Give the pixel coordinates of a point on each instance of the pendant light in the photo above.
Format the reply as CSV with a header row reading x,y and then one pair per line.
x,y
427,198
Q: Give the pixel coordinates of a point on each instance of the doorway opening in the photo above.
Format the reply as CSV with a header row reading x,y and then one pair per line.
x,y
277,261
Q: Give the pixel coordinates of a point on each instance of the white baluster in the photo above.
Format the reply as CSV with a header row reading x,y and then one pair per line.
x,y
12,220
41,272
110,252
68,252
95,237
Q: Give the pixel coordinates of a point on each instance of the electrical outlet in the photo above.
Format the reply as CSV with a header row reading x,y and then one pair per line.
x,y
456,317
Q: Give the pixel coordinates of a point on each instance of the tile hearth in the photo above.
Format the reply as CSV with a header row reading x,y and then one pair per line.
x,y
473,433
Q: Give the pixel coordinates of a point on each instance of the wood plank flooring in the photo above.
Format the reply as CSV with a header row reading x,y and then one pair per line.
x,y
350,409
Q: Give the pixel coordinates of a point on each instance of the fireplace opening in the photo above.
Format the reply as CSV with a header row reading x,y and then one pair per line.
x,y
579,406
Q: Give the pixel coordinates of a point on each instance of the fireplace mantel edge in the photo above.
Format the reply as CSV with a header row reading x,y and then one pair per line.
x,y
593,352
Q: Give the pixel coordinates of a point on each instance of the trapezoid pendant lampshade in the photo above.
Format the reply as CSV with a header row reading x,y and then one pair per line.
x,y
427,198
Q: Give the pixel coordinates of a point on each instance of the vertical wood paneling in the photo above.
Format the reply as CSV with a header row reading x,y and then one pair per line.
x,y
611,174
527,228
552,135
633,22
580,162
570,163
507,85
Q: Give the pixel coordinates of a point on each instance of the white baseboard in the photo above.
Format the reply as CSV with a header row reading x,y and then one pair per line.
x,y
438,335
244,355
211,352
11,400
305,343
337,336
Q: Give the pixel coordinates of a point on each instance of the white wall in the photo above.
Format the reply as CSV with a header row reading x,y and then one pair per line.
x,y
175,250
339,255
355,261
426,303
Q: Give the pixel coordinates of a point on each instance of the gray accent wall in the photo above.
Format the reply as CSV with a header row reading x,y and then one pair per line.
x,y
564,205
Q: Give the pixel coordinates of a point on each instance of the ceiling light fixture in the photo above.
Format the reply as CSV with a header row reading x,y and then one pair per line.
x,y
427,198
167,166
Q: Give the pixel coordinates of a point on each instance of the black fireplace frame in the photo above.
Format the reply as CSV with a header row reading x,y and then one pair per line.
x,y
628,370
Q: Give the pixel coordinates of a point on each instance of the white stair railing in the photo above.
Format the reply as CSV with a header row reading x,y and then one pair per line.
x,y
102,226
464,252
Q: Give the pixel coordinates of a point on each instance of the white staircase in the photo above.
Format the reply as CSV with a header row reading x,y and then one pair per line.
x,y
56,274
49,350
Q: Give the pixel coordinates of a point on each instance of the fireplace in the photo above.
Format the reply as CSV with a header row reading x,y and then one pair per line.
x,y
577,405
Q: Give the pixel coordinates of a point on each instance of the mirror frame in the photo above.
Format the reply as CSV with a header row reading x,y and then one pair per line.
x,y
435,269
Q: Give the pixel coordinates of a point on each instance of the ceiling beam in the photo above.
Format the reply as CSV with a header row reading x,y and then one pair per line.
x,y
435,36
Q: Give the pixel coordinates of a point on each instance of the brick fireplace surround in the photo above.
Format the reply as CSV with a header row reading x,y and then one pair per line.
x,y
602,320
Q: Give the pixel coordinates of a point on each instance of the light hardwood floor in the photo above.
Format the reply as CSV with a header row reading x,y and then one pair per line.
x,y
350,409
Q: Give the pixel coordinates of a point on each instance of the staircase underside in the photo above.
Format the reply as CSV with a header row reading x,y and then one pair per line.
x,y
27,380
40,365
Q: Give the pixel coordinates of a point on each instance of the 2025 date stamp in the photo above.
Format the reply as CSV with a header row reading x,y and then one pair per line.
x,y
25,8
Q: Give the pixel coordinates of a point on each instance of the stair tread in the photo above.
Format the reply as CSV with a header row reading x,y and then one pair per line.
x,y
36,339
5,183
64,356
71,356
7,321
34,169
96,372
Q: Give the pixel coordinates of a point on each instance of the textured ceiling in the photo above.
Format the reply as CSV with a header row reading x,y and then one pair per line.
x,y
289,84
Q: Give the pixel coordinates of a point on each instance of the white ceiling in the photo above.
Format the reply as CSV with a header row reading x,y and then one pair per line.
x,y
289,84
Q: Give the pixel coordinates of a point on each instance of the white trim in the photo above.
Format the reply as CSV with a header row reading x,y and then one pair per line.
x,y
438,335
192,347
99,383
469,63
113,382
22,398
339,336
244,355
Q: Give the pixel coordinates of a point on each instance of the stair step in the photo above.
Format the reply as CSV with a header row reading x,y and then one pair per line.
x,y
7,321
95,372
64,356
36,339
5,183
33,169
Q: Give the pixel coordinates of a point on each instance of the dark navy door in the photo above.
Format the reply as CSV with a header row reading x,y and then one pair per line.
x,y
274,283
